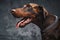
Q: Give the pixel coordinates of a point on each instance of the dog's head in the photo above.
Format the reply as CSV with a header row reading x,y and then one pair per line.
x,y
29,13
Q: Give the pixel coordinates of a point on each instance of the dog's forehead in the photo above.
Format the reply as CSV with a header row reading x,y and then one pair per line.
x,y
27,5
31,5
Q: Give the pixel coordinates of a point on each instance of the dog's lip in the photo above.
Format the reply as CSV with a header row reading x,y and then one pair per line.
x,y
23,22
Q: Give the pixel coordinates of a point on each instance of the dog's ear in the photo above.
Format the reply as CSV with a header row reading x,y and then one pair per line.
x,y
43,11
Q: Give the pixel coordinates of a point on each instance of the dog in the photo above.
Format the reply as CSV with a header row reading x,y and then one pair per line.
x,y
37,14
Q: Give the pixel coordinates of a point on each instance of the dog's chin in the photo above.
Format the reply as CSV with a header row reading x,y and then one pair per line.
x,y
23,22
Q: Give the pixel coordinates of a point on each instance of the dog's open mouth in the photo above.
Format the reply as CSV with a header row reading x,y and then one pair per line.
x,y
23,22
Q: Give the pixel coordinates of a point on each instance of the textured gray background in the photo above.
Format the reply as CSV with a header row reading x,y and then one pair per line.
x,y
31,31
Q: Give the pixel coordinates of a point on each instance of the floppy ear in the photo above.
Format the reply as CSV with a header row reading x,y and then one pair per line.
x,y
43,11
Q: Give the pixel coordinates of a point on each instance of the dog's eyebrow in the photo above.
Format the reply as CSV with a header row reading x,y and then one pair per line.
x,y
28,5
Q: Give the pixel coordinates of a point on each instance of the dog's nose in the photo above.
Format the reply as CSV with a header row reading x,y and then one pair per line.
x,y
13,10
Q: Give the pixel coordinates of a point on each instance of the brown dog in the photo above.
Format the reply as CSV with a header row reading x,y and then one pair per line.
x,y
49,24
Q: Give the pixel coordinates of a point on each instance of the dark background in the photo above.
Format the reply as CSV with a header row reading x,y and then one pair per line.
x,y
31,31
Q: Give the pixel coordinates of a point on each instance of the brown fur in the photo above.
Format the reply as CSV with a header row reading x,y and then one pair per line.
x,y
42,18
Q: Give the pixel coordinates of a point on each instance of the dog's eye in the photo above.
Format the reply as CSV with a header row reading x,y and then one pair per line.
x,y
29,9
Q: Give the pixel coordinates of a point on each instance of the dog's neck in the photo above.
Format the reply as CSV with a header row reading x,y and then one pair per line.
x,y
44,22
39,22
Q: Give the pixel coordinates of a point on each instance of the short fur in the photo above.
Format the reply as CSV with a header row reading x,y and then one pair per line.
x,y
42,19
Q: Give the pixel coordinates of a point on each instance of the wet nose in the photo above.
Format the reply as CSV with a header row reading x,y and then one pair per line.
x,y
13,10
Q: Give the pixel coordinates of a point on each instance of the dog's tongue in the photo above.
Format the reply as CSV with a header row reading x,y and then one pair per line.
x,y
23,23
